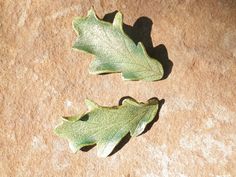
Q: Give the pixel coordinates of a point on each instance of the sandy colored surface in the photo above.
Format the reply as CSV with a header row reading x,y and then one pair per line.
x,y
42,78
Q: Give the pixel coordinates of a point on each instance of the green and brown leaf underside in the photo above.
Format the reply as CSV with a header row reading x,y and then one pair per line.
x,y
106,126
115,52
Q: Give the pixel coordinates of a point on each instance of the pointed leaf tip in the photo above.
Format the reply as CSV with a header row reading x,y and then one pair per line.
x,y
91,105
130,101
71,118
91,13
76,24
73,147
118,21
153,101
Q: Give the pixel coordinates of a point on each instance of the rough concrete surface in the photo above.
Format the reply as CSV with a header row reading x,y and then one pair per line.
x,y
42,78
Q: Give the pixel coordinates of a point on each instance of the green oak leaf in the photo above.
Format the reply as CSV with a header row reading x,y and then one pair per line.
x,y
106,126
115,52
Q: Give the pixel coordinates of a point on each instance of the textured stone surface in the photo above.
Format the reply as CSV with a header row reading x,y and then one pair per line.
x,y
42,78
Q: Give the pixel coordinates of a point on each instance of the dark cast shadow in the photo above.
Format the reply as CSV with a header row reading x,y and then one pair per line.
x,y
126,139
87,148
141,32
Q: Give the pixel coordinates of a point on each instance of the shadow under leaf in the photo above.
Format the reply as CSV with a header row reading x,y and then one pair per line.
x,y
141,32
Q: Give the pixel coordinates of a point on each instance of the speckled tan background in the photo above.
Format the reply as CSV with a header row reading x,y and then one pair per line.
x,y
42,79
